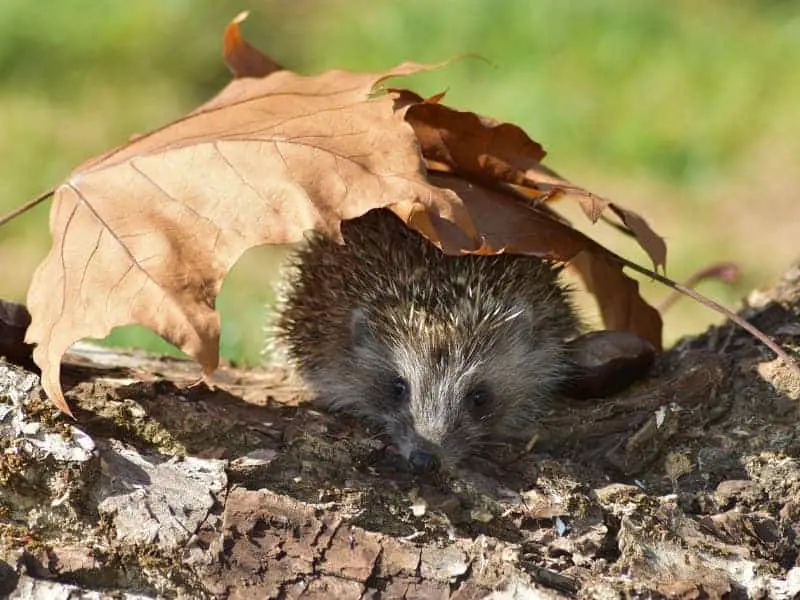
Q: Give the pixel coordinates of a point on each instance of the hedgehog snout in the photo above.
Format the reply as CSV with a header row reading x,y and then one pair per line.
x,y
423,461
427,450
423,456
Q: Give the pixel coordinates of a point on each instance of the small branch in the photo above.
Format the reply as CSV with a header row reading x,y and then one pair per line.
x,y
726,272
716,306
25,207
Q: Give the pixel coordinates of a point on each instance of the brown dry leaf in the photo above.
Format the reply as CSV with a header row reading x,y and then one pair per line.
x,y
473,145
503,222
618,296
243,59
507,225
146,233
487,150
436,98
654,244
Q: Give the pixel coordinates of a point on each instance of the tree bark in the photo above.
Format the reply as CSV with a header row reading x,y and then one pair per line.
x,y
687,485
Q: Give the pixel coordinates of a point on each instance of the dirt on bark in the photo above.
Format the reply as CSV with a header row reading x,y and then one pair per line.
x,y
687,485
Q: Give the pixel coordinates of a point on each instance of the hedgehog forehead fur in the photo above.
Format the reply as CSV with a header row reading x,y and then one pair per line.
x,y
474,344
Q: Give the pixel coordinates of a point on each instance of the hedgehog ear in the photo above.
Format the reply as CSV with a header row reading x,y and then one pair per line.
x,y
361,331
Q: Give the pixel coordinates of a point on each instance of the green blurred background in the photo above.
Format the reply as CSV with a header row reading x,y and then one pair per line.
x,y
687,112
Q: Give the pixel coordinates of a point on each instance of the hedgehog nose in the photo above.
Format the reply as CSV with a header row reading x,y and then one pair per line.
x,y
423,461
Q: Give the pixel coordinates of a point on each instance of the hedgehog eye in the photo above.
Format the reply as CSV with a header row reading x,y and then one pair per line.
x,y
399,389
478,397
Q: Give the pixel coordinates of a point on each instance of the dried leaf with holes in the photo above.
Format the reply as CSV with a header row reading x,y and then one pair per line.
x,y
146,232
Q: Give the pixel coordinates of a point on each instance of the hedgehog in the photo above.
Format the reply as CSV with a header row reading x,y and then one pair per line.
x,y
445,354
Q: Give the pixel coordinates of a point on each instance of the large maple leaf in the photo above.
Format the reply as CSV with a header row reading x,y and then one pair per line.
x,y
147,232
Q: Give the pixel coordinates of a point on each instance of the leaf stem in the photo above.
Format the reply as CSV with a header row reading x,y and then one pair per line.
x,y
25,207
714,305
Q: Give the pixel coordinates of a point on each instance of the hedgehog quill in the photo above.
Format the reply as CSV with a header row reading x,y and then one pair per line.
x,y
445,353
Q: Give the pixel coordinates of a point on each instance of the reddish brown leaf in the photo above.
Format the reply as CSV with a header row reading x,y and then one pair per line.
x,y
618,296
506,225
503,224
593,206
243,59
652,243
436,98
473,145
481,148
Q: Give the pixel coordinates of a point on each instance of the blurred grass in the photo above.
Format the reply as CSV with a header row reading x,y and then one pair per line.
x,y
683,111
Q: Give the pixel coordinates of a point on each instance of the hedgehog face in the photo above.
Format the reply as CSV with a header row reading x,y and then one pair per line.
x,y
441,388
443,412
445,353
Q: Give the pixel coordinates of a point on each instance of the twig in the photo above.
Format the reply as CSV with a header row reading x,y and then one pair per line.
x,y
25,207
727,272
713,305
